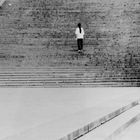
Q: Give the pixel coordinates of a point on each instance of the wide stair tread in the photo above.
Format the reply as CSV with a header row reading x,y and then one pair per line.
x,y
55,77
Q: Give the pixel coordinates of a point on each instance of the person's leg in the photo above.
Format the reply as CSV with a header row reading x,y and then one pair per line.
x,y
78,44
81,44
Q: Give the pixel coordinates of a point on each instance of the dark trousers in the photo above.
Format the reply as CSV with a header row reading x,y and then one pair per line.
x,y
80,44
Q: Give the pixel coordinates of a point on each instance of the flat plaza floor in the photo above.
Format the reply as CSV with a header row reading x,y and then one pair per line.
x,y
25,109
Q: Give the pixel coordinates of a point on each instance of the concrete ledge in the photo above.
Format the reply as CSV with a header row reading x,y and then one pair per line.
x,y
91,126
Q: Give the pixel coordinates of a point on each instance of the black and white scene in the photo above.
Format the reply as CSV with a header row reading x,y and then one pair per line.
x,y
69,69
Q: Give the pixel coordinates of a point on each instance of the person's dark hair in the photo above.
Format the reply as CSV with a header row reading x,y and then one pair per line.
x,y
79,25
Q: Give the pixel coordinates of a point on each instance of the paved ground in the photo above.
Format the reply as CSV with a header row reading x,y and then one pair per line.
x,y
24,109
111,46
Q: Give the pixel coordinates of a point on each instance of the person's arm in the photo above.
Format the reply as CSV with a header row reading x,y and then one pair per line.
x,y
83,31
76,33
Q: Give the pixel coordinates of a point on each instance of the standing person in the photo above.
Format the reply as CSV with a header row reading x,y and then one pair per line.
x,y
79,36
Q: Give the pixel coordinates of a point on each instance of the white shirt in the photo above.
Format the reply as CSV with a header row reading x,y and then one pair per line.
x,y
78,34
1,2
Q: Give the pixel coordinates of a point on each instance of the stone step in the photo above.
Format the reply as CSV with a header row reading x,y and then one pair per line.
x,y
68,82
115,127
65,85
132,133
133,121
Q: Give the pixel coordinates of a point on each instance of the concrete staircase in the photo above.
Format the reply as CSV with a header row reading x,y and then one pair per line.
x,y
55,77
29,41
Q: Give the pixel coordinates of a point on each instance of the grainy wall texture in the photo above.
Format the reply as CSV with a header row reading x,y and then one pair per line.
x,y
40,33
